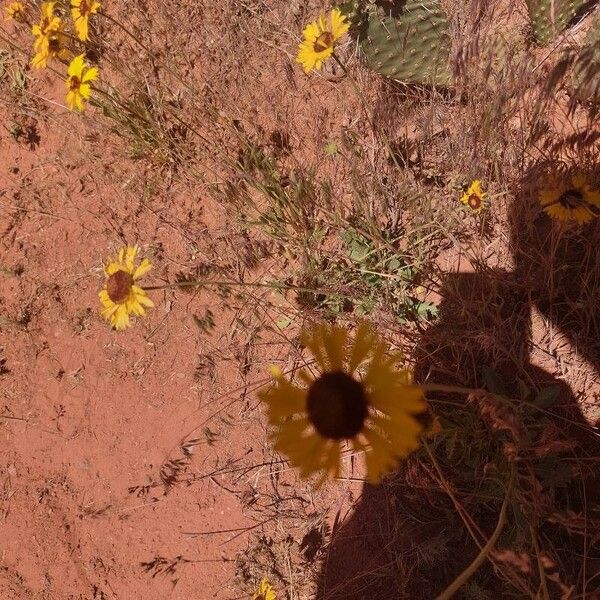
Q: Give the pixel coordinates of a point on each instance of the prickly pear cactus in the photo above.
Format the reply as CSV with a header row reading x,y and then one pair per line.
x,y
586,71
410,43
550,17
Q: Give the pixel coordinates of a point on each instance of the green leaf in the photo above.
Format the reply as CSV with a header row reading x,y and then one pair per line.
x,y
331,148
284,322
548,396
524,391
358,246
427,309
492,381
394,264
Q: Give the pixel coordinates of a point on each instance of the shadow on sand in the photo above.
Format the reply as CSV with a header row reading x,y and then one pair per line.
x,y
401,540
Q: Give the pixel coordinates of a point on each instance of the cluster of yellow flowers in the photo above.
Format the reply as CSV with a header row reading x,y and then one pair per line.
x,y
567,199
51,42
570,201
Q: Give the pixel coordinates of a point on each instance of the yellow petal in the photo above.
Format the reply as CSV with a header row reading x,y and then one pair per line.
x,y
283,400
90,75
311,338
129,257
141,296
120,318
142,269
105,298
334,340
76,66
363,342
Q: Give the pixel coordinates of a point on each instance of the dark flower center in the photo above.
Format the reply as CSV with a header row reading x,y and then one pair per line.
x,y
53,45
337,405
324,41
474,201
74,85
118,286
571,199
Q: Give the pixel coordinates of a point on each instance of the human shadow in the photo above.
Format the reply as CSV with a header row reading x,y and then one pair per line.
x,y
399,541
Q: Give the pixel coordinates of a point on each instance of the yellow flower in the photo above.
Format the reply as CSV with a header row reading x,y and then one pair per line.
x,y
49,37
81,11
121,297
319,39
474,198
16,11
264,591
78,81
375,413
573,200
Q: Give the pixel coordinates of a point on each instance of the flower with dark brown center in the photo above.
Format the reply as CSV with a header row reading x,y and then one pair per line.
x,y
121,297
324,41
372,411
320,37
337,405
474,197
118,286
571,198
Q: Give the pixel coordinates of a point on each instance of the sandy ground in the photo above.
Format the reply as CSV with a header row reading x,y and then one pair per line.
x,y
90,418
87,413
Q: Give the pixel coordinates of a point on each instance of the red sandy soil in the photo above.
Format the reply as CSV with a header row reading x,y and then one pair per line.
x,y
87,413
88,416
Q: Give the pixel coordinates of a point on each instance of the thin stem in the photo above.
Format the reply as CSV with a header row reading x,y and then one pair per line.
x,y
451,389
484,552
365,107
125,30
459,509
168,286
273,285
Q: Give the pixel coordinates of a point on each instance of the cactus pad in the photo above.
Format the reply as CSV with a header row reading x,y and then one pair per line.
x,y
550,17
410,43
586,76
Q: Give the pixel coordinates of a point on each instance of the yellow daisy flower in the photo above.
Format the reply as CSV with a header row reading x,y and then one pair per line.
x,y
81,11
264,591
15,11
319,38
474,198
78,81
121,297
49,38
375,412
573,200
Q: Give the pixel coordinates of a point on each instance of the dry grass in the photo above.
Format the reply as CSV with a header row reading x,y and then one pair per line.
x,y
340,210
